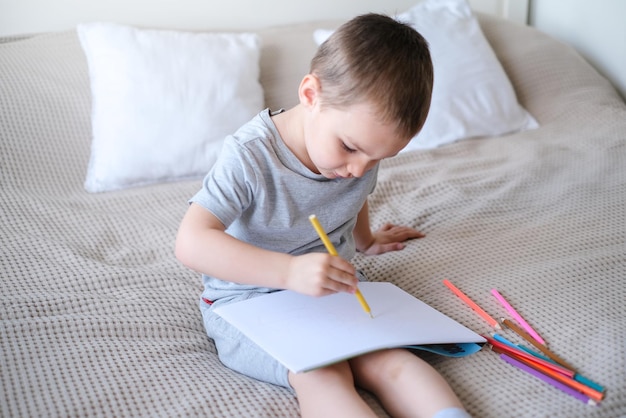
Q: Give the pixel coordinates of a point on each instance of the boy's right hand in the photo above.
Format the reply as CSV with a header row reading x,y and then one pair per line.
x,y
320,274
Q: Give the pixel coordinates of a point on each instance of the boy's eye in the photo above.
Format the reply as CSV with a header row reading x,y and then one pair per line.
x,y
347,148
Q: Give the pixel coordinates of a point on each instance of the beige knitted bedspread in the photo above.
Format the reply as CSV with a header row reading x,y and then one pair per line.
x,y
97,318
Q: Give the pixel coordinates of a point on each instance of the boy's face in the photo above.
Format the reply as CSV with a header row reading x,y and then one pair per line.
x,y
348,142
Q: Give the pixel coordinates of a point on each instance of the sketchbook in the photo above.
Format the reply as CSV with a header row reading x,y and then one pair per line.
x,y
304,333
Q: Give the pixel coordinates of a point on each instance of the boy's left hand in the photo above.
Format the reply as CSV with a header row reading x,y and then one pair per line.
x,y
391,237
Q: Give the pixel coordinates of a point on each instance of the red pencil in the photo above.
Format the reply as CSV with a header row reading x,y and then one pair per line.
x,y
531,340
590,392
507,349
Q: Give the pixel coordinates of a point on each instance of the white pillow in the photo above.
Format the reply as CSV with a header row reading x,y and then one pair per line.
x,y
472,95
163,101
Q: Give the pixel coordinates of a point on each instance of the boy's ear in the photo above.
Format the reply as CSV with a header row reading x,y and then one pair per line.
x,y
309,90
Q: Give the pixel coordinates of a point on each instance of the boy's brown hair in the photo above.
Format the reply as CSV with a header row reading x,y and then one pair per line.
x,y
378,59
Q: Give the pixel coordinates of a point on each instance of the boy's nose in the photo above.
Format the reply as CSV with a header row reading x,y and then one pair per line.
x,y
358,168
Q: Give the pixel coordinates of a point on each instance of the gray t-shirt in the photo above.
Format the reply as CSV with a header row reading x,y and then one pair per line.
x,y
264,195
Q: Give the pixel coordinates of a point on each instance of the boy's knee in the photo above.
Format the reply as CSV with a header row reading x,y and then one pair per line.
x,y
335,374
395,362
383,366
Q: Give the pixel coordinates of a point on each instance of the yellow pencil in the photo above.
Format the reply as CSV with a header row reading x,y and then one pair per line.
x,y
332,251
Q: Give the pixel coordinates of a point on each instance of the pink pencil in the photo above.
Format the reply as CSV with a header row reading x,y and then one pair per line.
x,y
517,317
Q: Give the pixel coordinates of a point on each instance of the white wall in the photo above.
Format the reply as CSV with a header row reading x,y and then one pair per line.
x,y
33,16
17,16
597,29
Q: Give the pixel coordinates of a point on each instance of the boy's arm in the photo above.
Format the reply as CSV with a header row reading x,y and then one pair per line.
x,y
203,246
363,236
389,237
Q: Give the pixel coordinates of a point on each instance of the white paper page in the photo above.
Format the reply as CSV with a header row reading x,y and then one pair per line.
x,y
305,333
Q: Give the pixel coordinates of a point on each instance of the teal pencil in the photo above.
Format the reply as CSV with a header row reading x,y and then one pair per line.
x,y
578,377
548,379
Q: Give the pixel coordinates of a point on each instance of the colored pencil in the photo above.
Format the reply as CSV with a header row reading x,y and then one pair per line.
x,y
567,389
588,382
332,251
506,349
569,381
534,353
578,377
472,305
509,324
517,316
503,340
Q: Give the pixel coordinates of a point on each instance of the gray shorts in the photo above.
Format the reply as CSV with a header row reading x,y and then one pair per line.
x,y
237,352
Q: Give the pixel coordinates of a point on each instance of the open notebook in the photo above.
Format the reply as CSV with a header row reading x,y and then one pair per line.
x,y
305,333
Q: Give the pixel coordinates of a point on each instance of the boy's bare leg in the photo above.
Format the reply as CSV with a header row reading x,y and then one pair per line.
x,y
405,384
329,392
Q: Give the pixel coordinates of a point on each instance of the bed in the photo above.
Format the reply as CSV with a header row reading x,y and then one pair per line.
x,y
97,317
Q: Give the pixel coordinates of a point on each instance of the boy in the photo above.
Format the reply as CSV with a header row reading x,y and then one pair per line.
x,y
247,230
